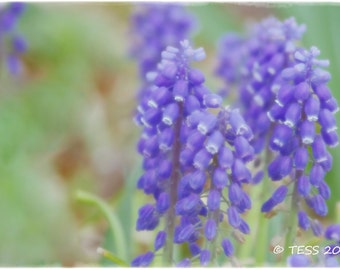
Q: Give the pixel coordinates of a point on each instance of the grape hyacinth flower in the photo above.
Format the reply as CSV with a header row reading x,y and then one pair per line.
x,y
253,63
231,53
194,161
153,27
304,126
9,16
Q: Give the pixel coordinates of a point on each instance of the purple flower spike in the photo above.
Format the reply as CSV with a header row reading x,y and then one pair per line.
x,y
12,45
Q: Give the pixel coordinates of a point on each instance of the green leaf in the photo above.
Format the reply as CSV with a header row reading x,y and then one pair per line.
x,y
114,223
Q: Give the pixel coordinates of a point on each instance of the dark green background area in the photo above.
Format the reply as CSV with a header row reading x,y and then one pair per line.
x,y
66,124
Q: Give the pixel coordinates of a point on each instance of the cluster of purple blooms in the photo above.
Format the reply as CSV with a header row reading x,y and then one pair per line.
x,y
12,45
285,99
197,154
153,28
194,160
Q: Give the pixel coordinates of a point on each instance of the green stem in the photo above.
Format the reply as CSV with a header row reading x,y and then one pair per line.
x,y
292,220
170,217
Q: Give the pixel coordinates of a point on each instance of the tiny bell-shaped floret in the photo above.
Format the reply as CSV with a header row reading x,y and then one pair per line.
x,y
316,174
307,132
170,114
327,120
243,149
214,200
312,108
180,90
301,158
160,240
303,220
234,218
143,260
228,247
225,158
197,180
319,149
163,202
202,159
333,232
220,178
292,115
187,205
214,142
210,229
319,205
184,263
303,185
204,257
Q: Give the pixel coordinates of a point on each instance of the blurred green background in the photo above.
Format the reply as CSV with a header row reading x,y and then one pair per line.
x,y
66,125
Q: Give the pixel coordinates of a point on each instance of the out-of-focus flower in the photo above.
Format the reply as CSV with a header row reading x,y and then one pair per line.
x,y
12,44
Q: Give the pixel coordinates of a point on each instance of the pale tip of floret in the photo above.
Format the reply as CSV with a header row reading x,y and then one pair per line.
x,y
179,98
185,43
259,100
212,149
250,89
271,118
312,118
314,51
168,55
202,128
271,71
172,49
145,123
289,123
150,76
275,88
242,130
334,144
257,76
300,67
278,102
307,140
330,129
322,159
199,54
167,121
278,142
299,56
163,147
152,104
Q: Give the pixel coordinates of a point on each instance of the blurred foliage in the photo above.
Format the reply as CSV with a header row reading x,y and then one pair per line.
x,y
66,124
